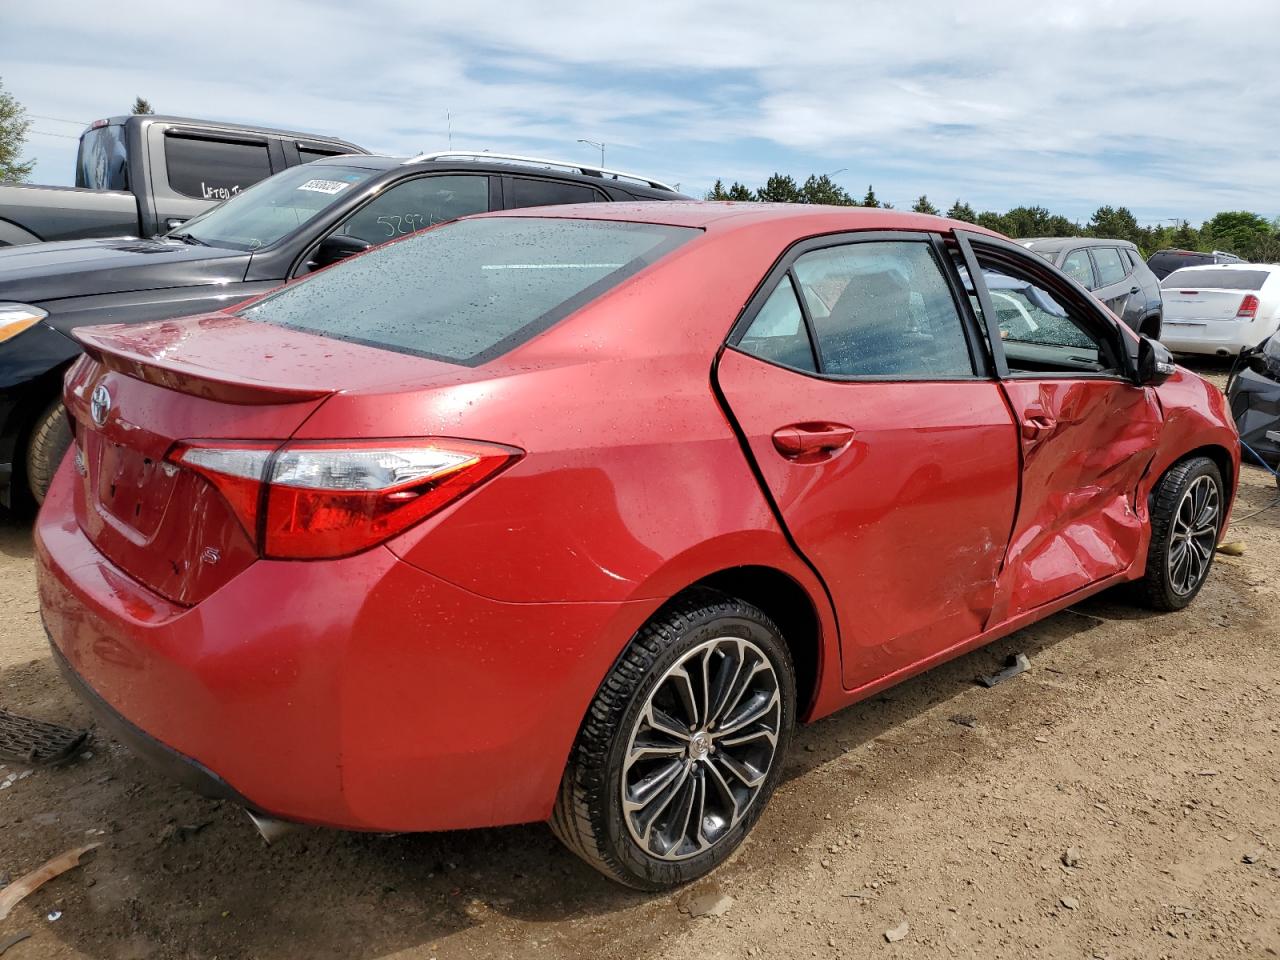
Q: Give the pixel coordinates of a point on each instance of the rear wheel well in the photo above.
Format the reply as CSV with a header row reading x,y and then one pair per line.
x,y
789,606
1150,326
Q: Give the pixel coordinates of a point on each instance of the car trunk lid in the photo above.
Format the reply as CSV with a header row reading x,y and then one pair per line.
x,y
1204,305
140,390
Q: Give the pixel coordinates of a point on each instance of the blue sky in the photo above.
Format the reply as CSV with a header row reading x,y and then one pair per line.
x,y
1165,106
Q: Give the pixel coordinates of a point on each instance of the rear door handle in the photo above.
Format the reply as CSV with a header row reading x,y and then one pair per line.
x,y
812,441
1134,289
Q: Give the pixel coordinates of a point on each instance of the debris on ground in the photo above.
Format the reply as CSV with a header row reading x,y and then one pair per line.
x,y
11,895
36,741
1252,857
963,719
53,915
13,941
1014,664
711,903
897,933
1071,857
1233,548
1071,903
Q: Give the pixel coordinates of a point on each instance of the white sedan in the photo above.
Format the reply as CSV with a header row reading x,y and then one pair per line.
x,y
1220,308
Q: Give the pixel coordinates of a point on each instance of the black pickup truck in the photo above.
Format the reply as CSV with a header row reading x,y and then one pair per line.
x,y
143,175
290,224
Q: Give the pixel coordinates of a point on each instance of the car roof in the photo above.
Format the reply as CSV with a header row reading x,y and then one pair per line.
x,y
220,125
387,163
1057,243
716,216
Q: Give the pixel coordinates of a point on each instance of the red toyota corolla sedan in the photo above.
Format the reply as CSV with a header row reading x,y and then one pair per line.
x,y
572,513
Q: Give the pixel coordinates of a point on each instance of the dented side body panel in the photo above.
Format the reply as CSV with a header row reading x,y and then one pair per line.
x,y
1087,445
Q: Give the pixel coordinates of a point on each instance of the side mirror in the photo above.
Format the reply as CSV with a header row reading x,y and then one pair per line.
x,y
337,247
1155,362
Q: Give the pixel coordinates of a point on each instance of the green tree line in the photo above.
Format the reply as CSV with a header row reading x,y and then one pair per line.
x,y
1241,232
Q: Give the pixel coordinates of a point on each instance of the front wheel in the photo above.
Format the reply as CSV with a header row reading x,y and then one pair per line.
x,y
50,438
682,746
1186,517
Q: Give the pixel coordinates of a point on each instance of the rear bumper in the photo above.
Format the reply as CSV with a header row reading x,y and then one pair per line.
x,y
1212,337
1255,404
359,693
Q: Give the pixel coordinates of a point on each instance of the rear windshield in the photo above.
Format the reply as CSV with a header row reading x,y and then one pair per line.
x,y
472,290
1192,279
102,163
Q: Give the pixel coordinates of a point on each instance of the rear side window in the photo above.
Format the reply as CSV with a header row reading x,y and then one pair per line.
x,y
102,163
883,309
1216,280
470,291
523,192
1079,269
778,333
307,154
214,169
1111,269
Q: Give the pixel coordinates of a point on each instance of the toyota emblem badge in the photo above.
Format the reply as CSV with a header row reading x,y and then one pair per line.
x,y
100,404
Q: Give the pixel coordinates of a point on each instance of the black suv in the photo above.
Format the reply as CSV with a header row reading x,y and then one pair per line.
x,y
290,224
1164,262
1114,271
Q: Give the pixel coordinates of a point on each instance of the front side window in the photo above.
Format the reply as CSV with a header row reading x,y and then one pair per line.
x,y
1039,332
274,208
472,290
415,204
1111,268
213,169
883,309
1079,269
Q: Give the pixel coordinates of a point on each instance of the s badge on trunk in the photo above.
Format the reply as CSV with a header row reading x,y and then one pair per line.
x,y
100,404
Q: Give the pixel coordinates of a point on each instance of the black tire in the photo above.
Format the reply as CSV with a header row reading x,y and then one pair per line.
x,y
1150,326
1161,588
589,817
50,439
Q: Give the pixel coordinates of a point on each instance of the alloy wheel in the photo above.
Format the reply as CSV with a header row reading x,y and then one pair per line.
x,y
1194,535
701,748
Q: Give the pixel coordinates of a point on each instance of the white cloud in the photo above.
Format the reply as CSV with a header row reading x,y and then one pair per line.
x,y
1164,106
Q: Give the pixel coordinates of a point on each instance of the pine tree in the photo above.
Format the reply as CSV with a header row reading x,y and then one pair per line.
x,y
870,199
142,105
924,206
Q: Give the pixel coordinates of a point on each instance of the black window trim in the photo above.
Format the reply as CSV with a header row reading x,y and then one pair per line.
x,y
1058,284
274,160
783,266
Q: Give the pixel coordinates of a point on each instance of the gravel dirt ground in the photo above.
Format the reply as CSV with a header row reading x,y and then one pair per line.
x,y
1119,800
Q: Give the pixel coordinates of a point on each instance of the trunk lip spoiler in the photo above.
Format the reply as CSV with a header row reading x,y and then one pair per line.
x,y
174,374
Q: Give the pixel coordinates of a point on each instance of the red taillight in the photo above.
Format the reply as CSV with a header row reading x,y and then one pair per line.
x,y
313,499
1248,307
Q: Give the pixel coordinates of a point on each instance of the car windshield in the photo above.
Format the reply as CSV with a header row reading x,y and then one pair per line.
x,y
272,209
1211,279
471,290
